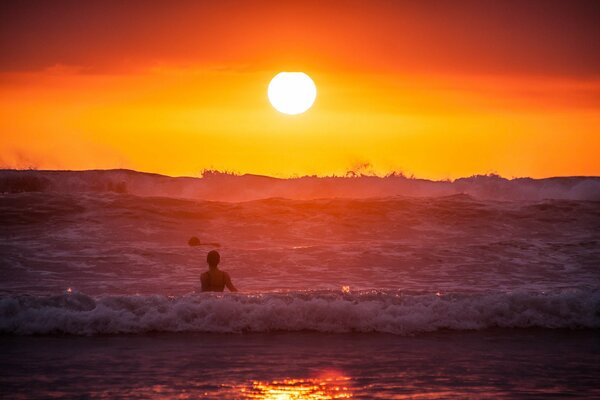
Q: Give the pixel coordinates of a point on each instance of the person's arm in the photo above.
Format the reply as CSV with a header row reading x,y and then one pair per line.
x,y
229,284
204,281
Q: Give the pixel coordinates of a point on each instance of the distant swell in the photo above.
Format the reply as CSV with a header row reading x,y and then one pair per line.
x,y
323,311
226,187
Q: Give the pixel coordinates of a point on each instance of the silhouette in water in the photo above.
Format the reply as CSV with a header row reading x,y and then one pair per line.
x,y
215,280
194,241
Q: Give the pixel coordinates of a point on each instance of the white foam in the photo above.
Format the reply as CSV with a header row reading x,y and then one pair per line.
x,y
322,311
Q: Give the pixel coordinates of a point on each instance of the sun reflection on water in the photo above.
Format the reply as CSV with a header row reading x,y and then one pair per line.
x,y
289,389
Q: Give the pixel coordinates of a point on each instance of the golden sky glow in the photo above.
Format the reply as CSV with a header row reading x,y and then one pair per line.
x,y
161,112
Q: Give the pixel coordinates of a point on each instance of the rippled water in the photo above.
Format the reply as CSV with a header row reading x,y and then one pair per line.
x,y
110,243
489,364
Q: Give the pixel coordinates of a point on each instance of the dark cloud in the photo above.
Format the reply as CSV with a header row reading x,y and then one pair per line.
x,y
476,36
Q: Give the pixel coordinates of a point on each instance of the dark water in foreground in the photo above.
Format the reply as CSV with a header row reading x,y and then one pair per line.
x,y
526,363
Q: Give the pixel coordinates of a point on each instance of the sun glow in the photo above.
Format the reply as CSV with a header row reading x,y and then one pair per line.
x,y
175,121
292,92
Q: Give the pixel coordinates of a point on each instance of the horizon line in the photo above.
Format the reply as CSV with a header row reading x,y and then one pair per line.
x,y
206,173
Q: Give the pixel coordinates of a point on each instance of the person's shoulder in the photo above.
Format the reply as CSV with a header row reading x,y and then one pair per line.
x,y
204,275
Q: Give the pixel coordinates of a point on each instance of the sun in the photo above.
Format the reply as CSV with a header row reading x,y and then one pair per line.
x,y
292,92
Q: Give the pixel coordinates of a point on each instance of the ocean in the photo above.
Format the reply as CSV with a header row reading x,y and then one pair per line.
x,y
454,291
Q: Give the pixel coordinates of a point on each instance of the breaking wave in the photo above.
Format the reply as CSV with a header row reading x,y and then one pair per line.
x,y
227,187
321,311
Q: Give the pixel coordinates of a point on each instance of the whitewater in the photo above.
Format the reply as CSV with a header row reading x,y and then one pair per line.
x,y
322,311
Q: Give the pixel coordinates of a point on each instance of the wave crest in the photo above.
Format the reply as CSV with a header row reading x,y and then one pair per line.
x,y
227,187
324,311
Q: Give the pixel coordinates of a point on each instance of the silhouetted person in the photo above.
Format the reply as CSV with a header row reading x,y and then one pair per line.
x,y
215,280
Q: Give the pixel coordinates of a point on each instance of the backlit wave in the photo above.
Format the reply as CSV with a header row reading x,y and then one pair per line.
x,y
320,311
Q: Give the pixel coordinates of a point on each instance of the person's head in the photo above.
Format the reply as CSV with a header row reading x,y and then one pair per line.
x,y
212,258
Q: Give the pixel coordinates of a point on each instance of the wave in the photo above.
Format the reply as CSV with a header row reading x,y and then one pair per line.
x,y
236,188
321,311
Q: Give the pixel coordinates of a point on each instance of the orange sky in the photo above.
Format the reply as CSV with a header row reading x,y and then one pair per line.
x,y
435,89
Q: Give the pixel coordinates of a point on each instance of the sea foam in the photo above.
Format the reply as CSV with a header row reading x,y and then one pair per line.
x,y
321,311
